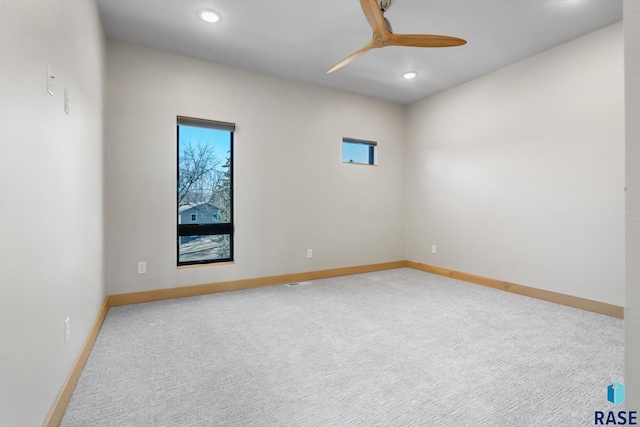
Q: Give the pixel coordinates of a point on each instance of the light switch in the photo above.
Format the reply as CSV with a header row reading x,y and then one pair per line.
x,y
50,78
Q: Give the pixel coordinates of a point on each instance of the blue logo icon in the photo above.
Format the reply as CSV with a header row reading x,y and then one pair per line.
x,y
615,393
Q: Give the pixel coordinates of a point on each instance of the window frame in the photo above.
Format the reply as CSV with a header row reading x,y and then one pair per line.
x,y
372,152
194,229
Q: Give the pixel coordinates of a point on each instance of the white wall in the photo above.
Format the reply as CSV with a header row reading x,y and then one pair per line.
x,y
552,171
292,191
519,175
51,204
632,310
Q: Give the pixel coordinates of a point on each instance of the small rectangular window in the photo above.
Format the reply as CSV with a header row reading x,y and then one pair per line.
x,y
205,191
359,152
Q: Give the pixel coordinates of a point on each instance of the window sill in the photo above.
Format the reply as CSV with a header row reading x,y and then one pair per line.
x,y
211,264
358,164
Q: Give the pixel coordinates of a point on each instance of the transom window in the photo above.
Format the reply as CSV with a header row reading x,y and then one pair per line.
x,y
359,152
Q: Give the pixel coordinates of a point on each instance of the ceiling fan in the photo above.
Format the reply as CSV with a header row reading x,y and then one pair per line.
x,y
383,36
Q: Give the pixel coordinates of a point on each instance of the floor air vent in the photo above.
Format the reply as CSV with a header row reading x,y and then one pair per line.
x,y
292,285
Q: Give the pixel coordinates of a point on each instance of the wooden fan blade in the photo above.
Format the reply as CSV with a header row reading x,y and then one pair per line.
x,y
351,57
372,12
422,40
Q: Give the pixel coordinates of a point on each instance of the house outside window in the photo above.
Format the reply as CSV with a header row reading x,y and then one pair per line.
x,y
204,191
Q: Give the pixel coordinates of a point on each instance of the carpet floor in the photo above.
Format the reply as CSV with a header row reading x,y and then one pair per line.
x,y
391,348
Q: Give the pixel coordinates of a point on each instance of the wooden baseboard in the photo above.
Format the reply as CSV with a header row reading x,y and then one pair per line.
x,y
558,298
62,400
208,288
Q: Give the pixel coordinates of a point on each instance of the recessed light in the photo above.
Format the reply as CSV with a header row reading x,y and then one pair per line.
x,y
209,16
410,75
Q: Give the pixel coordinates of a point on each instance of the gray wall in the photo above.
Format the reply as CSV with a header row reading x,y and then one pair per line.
x,y
632,310
519,175
51,204
292,191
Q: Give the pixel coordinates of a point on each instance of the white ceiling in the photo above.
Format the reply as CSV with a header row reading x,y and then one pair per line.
x,y
301,39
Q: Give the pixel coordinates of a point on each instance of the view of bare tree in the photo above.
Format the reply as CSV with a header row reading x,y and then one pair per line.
x,y
199,173
204,197
223,192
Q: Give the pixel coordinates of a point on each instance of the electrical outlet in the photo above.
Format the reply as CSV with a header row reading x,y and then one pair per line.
x,y
309,253
142,268
66,101
67,329
433,249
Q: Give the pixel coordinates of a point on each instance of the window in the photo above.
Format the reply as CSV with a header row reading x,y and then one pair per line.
x,y
204,191
359,152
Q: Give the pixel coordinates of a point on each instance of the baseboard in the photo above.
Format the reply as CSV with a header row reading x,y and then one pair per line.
x,y
558,298
208,288
62,400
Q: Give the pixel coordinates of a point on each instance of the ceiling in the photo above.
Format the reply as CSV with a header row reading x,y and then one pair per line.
x,y
301,39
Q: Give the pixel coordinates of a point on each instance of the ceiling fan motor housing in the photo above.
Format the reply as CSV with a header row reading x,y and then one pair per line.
x,y
387,25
